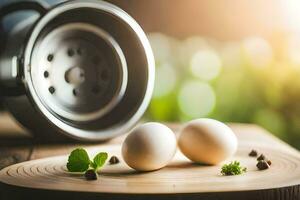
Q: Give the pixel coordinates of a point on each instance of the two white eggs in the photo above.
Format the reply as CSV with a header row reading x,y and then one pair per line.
x,y
152,146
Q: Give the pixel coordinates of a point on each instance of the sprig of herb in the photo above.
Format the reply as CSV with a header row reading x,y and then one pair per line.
x,y
233,168
79,161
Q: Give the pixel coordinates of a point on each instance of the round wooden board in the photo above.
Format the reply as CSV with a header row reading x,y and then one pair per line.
x,y
179,177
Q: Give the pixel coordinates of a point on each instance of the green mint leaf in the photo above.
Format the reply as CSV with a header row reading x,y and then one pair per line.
x,y
78,161
99,160
93,165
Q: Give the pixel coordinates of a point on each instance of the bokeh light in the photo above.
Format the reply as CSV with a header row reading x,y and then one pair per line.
x,y
166,77
206,64
161,46
196,99
258,52
189,47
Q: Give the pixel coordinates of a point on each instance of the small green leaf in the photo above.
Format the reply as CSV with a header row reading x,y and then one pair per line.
x,y
78,161
99,160
233,168
93,165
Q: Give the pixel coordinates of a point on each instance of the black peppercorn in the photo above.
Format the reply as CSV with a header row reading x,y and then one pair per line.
x,y
90,175
262,165
253,153
261,157
114,160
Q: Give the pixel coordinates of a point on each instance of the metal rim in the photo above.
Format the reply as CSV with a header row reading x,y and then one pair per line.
x,y
118,129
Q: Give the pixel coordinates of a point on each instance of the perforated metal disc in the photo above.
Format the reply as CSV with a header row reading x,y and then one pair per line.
x,y
79,71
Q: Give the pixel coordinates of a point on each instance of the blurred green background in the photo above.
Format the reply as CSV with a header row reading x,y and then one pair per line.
x,y
252,80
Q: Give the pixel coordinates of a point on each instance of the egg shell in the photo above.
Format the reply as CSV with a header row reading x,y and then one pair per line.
x,y
149,147
207,141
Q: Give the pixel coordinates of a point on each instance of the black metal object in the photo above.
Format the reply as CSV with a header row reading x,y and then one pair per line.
x,y
80,69
13,87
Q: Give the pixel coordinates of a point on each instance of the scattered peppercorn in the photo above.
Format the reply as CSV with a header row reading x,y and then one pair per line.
x,y
90,175
261,157
114,160
269,162
262,165
253,153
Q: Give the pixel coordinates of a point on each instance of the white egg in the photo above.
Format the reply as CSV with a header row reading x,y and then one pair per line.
x,y
207,141
150,146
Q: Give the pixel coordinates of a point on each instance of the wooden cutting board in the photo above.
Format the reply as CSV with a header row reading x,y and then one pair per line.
x,y
48,178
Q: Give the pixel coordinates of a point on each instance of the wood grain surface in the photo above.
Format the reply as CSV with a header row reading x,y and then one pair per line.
x,y
48,178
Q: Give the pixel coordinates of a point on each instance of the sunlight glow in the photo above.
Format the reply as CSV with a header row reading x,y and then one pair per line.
x,y
291,11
